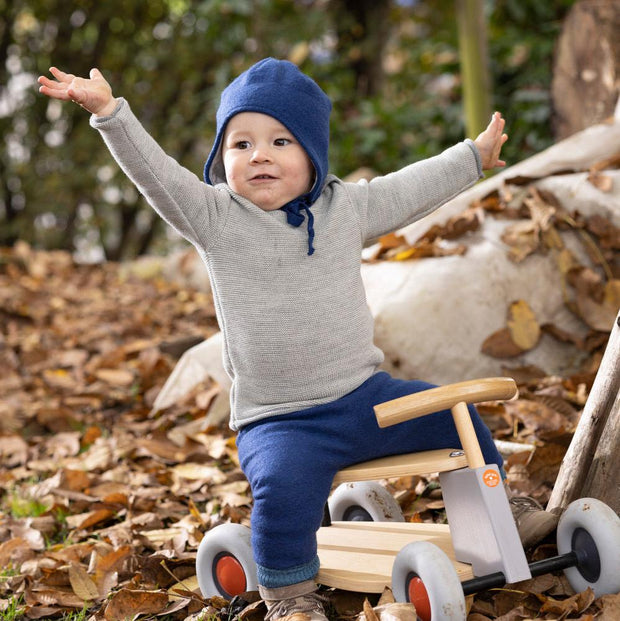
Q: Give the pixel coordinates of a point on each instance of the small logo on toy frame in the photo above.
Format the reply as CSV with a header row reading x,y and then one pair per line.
x,y
491,478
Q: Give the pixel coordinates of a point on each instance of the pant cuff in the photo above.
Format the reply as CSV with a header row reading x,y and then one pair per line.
x,y
274,578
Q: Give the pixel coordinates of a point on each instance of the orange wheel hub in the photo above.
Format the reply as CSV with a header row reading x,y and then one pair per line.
x,y
419,598
230,575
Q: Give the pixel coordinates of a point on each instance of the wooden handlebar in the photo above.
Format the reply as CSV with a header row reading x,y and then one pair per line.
x,y
443,398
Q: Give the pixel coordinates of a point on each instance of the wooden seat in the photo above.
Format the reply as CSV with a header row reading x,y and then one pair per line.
x,y
409,464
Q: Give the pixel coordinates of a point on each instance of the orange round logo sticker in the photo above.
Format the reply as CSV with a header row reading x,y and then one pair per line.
x,y
490,478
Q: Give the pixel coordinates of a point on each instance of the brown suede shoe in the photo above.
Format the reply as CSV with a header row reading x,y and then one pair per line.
x,y
297,602
533,522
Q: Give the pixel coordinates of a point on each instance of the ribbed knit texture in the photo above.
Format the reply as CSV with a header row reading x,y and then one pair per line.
x,y
284,577
296,328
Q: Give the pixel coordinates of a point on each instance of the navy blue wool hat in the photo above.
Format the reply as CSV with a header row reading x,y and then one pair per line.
x,y
278,88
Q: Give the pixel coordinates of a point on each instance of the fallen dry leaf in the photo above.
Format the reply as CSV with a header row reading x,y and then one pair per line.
x,y
121,489
82,584
599,180
610,607
578,603
539,420
501,345
117,377
601,316
113,560
522,238
130,602
608,234
522,325
456,226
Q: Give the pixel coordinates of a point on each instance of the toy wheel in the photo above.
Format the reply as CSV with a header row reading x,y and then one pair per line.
x,y
423,575
224,563
591,530
364,501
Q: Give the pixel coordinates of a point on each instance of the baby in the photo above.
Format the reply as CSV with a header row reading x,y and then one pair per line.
x,y
297,332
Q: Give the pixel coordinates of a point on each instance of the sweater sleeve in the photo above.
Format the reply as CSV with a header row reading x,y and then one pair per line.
x,y
194,209
402,197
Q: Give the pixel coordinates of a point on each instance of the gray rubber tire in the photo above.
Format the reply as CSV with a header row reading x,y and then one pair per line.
x,y
591,529
436,572
369,496
227,543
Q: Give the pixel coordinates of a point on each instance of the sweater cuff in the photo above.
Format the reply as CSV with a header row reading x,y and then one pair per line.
x,y
97,120
474,148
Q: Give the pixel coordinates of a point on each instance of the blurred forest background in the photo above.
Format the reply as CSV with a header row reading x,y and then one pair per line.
x,y
103,497
391,68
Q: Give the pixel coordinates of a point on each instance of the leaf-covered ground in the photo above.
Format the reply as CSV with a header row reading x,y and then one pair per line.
x,y
104,502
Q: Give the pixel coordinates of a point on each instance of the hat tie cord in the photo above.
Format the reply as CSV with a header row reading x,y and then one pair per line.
x,y
295,218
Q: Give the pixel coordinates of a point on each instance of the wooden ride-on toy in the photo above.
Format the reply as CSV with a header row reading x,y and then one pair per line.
x,y
365,544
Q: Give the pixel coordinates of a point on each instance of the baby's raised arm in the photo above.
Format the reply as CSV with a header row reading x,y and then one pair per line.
x,y
184,201
93,94
490,142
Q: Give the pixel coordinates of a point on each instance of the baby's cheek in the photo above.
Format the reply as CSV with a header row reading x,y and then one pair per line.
x,y
233,182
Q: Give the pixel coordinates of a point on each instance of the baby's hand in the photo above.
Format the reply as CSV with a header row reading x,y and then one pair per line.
x,y
93,94
490,141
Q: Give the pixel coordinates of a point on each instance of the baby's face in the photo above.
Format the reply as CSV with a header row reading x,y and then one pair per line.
x,y
263,161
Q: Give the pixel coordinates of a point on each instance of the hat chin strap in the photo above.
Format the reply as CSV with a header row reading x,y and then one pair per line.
x,y
295,218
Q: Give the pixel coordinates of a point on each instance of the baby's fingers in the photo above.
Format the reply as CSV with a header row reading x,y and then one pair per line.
x,y
52,84
54,89
61,76
497,123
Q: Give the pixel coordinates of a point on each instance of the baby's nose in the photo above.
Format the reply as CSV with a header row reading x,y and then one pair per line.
x,y
261,154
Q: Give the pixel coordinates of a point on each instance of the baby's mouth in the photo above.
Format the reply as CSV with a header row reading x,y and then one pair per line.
x,y
263,177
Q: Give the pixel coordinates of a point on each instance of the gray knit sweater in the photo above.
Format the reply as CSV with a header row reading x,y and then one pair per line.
x,y
296,328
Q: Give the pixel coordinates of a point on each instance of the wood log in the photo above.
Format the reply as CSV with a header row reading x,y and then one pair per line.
x,y
591,466
603,480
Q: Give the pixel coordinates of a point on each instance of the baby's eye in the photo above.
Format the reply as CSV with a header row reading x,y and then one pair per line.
x,y
242,144
281,142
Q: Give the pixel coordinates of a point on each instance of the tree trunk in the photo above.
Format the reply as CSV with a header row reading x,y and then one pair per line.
x,y
362,27
474,66
591,467
586,71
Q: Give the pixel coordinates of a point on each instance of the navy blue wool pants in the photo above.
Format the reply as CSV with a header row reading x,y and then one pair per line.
x,y
290,461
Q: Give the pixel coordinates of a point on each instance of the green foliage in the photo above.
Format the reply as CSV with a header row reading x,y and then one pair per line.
x,y
78,615
8,571
14,609
59,188
20,507
420,110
